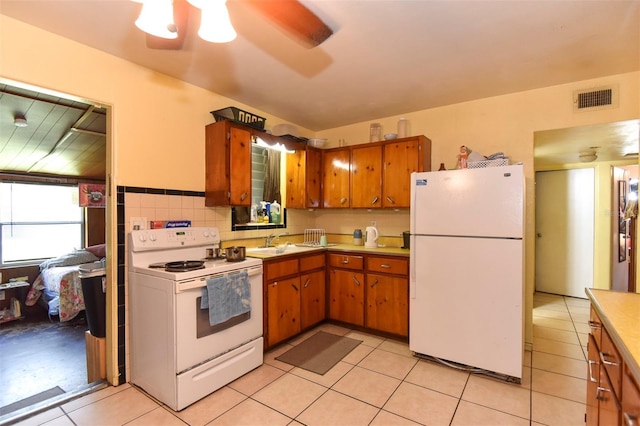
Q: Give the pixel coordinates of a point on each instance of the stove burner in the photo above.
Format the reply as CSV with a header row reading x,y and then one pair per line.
x,y
184,266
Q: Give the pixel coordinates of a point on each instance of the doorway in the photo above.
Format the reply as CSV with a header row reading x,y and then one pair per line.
x,y
44,359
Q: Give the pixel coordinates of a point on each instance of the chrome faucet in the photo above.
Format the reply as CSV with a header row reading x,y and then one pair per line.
x,y
271,237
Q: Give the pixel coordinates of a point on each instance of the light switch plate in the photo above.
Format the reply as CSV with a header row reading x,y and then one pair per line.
x,y
138,223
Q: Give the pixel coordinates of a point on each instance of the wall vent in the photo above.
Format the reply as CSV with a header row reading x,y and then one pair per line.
x,y
595,99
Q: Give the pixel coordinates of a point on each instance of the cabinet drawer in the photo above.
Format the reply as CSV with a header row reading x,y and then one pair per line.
x,y
282,268
595,326
346,261
612,362
309,263
609,412
388,265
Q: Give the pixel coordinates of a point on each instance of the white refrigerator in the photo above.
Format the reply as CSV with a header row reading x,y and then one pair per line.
x,y
467,268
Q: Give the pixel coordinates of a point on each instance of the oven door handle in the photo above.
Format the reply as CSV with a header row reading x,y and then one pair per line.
x,y
202,282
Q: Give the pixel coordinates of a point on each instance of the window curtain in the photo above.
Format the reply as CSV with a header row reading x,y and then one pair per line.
x,y
272,177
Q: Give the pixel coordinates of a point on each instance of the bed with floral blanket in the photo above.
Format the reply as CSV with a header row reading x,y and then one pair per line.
x,y
58,288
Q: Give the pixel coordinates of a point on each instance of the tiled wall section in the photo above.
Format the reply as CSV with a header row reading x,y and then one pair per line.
x,y
167,204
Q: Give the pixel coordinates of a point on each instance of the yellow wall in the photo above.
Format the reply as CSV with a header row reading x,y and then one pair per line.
x,y
508,123
156,117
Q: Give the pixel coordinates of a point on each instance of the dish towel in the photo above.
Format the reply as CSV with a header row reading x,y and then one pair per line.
x,y
226,296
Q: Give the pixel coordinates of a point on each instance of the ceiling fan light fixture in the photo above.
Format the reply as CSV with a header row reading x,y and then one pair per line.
x,y
588,156
156,18
215,25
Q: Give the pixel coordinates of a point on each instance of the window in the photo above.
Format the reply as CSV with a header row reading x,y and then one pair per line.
x,y
38,221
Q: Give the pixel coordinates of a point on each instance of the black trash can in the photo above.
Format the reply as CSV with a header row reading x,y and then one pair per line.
x,y
92,277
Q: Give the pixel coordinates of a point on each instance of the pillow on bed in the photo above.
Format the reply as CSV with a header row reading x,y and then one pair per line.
x,y
78,257
99,250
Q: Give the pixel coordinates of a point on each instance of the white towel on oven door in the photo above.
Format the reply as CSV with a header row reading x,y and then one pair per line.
x,y
226,296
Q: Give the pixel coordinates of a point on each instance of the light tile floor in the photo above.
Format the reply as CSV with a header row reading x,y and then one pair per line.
x,y
378,383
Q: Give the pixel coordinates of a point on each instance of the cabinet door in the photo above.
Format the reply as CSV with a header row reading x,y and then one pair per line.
x,y
296,172
630,398
388,304
366,176
304,178
283,310
240,167
609,412
346,296
313,298
400,160
313,178
335,178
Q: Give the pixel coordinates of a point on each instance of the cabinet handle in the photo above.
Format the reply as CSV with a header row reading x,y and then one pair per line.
x,y
605,362
345,261
343,200
595,325
391,200
591,378
385,266
306,283
374,283
355,280
600,393
375,200
244,196
630,419
294,286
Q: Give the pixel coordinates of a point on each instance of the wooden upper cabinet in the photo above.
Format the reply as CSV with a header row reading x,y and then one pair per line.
x,y
304,178
366,176
227,165
335,178
401,158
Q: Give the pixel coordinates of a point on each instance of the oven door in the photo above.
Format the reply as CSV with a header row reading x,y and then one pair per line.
x,y
196,340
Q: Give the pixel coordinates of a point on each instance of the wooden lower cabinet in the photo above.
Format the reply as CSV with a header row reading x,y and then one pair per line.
x,y
313,298
363,290
346,296
613,396
294,295
370,291
387,304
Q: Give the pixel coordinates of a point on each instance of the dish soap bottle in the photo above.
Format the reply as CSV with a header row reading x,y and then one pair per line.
x,y
275,212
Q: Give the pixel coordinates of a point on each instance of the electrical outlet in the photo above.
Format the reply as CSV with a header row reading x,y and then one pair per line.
x,y
373,223
138,223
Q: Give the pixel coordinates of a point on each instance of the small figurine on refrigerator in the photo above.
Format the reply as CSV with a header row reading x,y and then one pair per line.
x,y
462,157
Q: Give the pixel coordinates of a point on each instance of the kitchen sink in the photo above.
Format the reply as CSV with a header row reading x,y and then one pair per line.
x,y
282,249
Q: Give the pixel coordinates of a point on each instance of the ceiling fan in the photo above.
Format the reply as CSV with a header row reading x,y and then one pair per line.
x,y
170,19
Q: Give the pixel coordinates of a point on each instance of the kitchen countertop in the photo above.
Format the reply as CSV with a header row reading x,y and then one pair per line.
x,y
620,315
350,248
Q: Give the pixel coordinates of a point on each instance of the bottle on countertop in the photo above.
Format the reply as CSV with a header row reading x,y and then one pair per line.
x,y
402,127
442,167
275,212
357,237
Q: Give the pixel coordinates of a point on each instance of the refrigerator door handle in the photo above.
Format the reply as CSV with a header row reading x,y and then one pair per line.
x,y
412,269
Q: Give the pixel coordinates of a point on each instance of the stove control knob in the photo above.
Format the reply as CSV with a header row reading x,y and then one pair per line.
x,y
206,233
152,237
142,237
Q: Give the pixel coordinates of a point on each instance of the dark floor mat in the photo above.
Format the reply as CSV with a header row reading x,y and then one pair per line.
x,y
320,352
34,399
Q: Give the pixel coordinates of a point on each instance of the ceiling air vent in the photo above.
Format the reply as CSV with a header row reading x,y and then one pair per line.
x,y
595,99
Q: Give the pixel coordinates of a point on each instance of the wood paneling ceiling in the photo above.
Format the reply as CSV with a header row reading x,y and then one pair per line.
x,y
62,136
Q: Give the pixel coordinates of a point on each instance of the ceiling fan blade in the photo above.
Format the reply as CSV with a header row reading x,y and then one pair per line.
x,y
294,17
180,19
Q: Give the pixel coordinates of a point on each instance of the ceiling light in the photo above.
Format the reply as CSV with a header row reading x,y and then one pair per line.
x,y
215,25
156,18
588,156
20,121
